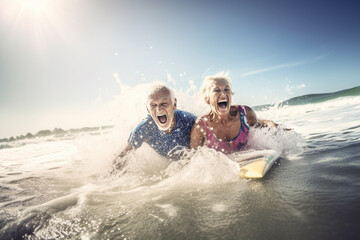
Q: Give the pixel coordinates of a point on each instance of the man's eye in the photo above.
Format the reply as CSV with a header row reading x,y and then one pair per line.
x,y
217,90
164,104
227,89
153,105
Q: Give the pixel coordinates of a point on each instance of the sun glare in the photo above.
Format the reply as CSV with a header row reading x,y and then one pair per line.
x,y
35,6
34,20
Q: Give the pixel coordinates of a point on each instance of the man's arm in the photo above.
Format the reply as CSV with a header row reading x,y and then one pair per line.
x,y
118,162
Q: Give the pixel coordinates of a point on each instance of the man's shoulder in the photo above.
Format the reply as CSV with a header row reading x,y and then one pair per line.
x,y
146,123
184,115
184,119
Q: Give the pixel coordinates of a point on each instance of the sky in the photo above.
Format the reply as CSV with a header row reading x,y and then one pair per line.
x,y
60,60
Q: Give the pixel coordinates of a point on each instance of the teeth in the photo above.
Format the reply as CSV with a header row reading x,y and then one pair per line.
x,y
222,104
162,118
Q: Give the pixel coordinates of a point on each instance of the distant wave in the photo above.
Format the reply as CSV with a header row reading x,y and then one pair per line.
x,y
57,132
5,146
313,98
317,98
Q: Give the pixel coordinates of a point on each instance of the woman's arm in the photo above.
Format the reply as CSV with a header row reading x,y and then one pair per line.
x,y
198,134
255,122
268,123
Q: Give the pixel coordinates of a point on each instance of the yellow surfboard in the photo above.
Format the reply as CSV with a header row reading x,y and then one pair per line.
x,y
255,164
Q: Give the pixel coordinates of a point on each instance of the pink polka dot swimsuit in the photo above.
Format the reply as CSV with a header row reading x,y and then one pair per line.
x,y
235,144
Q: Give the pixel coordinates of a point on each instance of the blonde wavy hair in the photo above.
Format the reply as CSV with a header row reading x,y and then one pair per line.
x,y
204,90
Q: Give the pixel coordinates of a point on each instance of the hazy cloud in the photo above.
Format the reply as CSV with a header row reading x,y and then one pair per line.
x,y
290,88
192,87
170,79
286,65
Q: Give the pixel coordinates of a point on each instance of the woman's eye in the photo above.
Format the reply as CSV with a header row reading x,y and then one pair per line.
x,y
227,89
217,90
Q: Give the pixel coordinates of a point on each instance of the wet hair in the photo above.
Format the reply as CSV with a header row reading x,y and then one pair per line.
x,y
209,79
157,88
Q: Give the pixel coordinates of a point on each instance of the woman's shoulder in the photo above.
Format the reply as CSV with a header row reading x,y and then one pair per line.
x,y
240,106
202,119
246,110
243,107
250,115
199,126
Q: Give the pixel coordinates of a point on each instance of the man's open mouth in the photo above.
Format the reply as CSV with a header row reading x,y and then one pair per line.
x,y
162,119
222,104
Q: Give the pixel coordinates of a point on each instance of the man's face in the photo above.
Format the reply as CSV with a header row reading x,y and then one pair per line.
x,y
161,109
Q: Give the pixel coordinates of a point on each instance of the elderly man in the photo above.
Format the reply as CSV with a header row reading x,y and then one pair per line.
x,y
165,129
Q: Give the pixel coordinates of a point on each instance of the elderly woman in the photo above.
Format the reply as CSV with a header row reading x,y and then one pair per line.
x,y
226,127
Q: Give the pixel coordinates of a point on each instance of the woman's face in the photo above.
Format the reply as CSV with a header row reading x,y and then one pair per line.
x,y
219,97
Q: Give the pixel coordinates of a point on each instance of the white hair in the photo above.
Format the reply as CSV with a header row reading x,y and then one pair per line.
x,y
204,90
155,89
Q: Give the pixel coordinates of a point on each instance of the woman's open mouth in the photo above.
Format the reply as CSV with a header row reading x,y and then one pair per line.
x,y
162,119
222,104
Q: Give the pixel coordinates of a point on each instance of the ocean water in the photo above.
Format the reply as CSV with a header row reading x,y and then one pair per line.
x,y
62,186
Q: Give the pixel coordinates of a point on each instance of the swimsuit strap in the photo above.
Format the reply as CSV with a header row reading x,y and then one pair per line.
x,y
206,127
243,119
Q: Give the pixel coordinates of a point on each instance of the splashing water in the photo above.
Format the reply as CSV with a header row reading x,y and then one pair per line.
x,y
61,188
